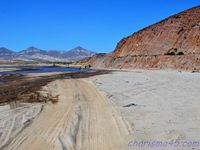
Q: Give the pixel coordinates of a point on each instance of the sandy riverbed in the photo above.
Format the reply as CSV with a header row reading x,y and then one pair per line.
x,y
160,105
81,119
109,111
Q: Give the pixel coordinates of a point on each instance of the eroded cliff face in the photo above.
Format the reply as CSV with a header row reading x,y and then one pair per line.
x,y
179,33
182,62
171,43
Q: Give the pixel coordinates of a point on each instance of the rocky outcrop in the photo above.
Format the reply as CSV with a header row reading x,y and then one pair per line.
x,y
170,43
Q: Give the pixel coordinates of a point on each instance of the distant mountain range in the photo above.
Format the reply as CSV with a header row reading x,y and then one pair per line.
x,y
36,54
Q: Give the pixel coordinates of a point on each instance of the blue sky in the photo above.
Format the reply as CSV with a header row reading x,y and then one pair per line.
x,y
65,24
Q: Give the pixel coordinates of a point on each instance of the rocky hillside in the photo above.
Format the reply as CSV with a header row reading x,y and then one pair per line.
x,y
171,43
6,53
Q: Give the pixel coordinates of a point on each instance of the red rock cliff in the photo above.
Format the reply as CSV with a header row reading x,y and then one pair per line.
x,y
179,33
170,43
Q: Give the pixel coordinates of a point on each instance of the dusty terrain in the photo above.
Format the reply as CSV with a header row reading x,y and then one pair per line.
x,y
14,118
82,119
108,111
160,105
22,98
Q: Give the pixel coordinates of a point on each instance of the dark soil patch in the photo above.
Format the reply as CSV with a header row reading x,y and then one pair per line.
x,y
20,88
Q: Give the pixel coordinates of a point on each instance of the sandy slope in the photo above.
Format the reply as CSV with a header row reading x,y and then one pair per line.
x,y
82,119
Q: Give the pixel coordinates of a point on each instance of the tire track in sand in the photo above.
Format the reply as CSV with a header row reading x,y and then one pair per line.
x,y
82,119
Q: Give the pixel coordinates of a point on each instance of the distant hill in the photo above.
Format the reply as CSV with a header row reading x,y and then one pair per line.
x,y
4,51
78,53
32,51
36,54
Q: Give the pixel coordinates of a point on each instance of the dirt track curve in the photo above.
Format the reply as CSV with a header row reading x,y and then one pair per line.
x,y
82,119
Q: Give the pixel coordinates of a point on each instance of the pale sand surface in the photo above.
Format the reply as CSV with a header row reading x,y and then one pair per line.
x,y
14,118
166,102
8,69
82,119
44,74
89,114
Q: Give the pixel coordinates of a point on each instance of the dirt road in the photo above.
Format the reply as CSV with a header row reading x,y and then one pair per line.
x,y
82,119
